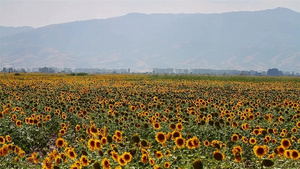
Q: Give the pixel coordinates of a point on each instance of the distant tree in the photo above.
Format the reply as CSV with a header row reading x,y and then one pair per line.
x,y
274,72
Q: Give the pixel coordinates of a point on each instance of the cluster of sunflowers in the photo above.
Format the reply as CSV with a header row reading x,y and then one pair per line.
x,y
141,121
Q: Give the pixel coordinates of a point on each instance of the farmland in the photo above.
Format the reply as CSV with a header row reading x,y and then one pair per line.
x,y
149,121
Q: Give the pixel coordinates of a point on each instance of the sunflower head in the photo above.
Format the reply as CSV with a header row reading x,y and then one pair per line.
x,y
218,155
260,150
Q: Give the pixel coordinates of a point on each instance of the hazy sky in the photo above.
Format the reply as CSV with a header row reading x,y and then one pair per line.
x,y
37,13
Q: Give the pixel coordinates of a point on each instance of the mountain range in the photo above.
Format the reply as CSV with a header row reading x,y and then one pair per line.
x,y
256,40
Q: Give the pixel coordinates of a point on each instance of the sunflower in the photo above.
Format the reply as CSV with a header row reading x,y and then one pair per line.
x,y
260,150
190,143
156,125
92,144
252,140
57,160
206,143
2,140
132,108
105,163
285,143
156,167
136,138
84,160
122,161
237,149
256,132
118,133
8,138
180,142
271,156
17,150
77,127
218,155
159,154
179,126
176,134
144,158
160,137
280,150
167,164
295,154
197,164
47,163
127,156
18,123
60,142
268,138
245,140
282,134
172,126
298,124
114,155
234,137
237,157
62,132
151,161
103,140
144,151
196,142
280,119
168,153
98,144
71,154
93,129
16,159
168,136
287,153
234,124
62,125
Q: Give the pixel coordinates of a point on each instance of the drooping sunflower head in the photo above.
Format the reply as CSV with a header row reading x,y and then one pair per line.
x,y
218,155
197,164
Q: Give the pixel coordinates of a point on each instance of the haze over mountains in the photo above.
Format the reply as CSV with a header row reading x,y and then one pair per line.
x,y
237,40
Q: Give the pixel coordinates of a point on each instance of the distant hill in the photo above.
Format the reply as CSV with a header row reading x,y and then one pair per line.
x,y
6,31
236,40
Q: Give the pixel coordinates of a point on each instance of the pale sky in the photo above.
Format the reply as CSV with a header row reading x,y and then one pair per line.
x,y
38,13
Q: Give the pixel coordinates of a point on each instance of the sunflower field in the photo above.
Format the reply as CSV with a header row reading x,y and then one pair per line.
x,y
149,121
